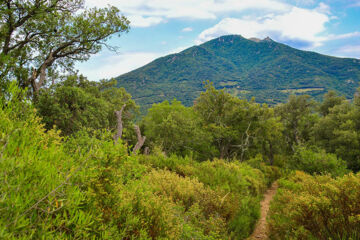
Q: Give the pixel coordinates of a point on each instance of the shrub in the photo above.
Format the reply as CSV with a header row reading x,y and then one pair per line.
x,y
140,214
38,196
232,177
233,180
317,162
319,207
158,160
271,173
203,207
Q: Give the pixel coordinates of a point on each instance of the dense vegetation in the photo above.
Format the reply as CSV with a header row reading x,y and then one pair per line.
x,y
318,207
84,186
78,161
207,169
264,69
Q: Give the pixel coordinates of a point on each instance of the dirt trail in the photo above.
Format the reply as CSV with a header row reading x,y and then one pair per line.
x,y
261,230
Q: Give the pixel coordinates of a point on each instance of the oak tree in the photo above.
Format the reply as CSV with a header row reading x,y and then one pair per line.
x,y
41,38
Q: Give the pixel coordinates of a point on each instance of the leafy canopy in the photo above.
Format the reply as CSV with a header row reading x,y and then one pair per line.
x,y
41,38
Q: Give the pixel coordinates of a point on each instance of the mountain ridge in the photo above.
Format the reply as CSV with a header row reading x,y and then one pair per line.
x,y
264,69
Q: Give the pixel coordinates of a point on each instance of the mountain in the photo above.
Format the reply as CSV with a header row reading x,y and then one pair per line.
x,y
264,69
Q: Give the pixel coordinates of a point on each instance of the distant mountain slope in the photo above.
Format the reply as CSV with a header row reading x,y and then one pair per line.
x,y
264,69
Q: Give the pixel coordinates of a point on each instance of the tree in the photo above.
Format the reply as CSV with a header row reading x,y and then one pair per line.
x,y
38,38
338,132
77,103
331,99
220,116
269,134
239,128
298,117
177,130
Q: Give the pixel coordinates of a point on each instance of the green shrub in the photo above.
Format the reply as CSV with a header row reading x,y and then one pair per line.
x,y
158,160
242,225
39,198
319,207
203,207
232,177
140,214
271,173
234,180
317,162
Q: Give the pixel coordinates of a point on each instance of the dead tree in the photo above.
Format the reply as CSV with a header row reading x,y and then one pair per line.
x,y
119,126
245,143
141,139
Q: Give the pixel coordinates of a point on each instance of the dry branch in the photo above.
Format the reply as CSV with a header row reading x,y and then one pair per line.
x,y
141,139
119,126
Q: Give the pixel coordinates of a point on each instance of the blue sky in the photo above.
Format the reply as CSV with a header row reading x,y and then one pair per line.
x,y
161,27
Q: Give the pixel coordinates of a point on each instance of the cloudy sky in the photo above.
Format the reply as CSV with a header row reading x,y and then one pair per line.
x,y
161,27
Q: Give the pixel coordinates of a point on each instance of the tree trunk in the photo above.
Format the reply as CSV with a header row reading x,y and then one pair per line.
x,y
119,126
141,139
41,71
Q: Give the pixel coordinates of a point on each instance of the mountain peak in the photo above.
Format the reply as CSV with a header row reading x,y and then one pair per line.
x,y
268,39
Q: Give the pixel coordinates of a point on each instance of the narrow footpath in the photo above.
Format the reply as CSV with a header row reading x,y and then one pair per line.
x,y
261,229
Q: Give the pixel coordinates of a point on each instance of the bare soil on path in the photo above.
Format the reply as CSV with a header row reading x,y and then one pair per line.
x,y
261,229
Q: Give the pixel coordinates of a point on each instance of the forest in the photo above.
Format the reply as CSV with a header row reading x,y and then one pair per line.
x,y
78,160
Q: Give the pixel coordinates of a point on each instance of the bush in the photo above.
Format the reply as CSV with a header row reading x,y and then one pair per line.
x,y
317,162
237,181
202,207
271,173
231,176
39,198
319,207
140,214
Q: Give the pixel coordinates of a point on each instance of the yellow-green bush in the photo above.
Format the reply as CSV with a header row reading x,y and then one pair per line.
x,y
232,176
163,205
239,181
201,207
319,207
141,214
38,198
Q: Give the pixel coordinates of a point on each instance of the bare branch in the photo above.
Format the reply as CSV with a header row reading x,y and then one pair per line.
x,y
141,139
244,146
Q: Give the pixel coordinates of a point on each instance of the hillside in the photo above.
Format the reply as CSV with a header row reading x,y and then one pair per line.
x,y
264,69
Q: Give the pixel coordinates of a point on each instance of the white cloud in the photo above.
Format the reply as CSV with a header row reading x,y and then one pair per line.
x,y
343,36
323,8
297,24
190,9
108,65
187,29
140,21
